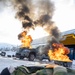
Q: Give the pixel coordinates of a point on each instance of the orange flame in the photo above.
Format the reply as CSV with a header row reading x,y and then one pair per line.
x,y
26,40
59,53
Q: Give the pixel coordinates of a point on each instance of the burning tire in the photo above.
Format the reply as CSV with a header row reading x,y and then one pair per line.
x,y
31,57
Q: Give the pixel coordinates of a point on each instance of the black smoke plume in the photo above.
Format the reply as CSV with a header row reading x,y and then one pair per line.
x,y
36,12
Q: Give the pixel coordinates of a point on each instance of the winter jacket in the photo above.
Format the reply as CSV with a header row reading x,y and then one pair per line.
x,y
5,71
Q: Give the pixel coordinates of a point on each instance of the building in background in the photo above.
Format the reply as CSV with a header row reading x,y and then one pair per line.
x,y
68,39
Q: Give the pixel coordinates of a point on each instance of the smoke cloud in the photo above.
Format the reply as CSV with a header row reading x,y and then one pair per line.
x,y
36,12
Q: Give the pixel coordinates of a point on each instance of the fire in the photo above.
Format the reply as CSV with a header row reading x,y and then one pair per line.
x,y
25,39
59,52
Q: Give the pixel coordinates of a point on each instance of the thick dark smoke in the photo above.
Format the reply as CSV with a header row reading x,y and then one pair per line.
x,y
43,20
36,12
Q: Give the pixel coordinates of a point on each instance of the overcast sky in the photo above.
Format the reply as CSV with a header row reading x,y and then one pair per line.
x,y
65,14
10,27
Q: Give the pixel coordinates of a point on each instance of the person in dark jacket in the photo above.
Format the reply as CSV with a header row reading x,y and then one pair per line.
x,y
5,71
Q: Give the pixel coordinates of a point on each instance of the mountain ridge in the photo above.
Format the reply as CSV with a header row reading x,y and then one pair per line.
x,y
5,45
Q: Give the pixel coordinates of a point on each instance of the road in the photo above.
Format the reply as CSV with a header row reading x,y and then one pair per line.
x,y
7,62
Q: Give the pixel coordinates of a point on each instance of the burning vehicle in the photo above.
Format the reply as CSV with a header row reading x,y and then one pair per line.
x,y
60,55
26,53
25,49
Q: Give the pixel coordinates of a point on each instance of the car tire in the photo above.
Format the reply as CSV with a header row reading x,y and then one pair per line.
x,y
8,55
31,57
21,57
3,53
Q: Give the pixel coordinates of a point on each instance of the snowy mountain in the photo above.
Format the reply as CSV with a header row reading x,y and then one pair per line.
x,y
6,45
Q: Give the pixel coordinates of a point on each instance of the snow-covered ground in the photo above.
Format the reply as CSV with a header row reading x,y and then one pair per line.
x,y
10,61
73,64
7,62
9,53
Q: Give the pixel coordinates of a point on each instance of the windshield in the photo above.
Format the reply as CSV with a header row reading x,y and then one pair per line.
x,y
19,50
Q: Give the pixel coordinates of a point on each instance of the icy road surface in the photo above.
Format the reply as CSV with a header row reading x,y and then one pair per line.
x,y
7,62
